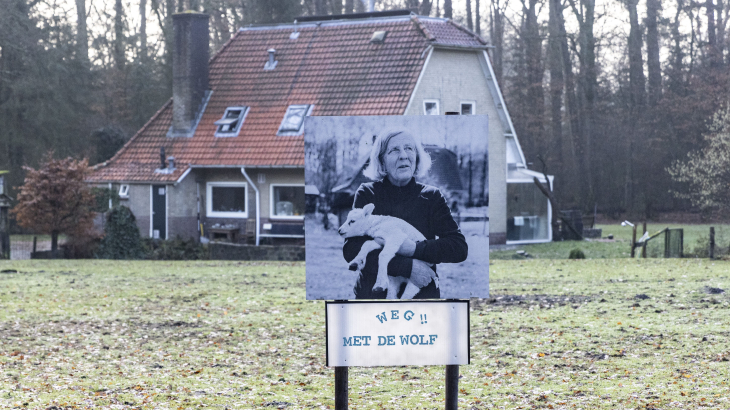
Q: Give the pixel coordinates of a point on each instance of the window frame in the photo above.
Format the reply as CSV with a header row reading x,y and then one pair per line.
x,y
473,107
234,133
272,214
438,106
288,132
210,213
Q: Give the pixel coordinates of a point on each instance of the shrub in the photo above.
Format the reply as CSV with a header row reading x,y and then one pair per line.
x,y
121,236
175,249
576,254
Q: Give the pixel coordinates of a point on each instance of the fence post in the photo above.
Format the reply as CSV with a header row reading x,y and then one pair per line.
x,y
643,246
35,242
712,242
633,241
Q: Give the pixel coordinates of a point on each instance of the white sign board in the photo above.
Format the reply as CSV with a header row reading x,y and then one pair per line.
x,y
397,333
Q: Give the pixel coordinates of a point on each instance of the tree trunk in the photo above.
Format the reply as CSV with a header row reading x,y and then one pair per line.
x,y
425,8
119,58
652,51
350,6
469,20
336,7
637,83
587,85
534,76
142,30
496,34
54,244
477,17
637,80
82,36
674,78
448,12
557,83
711,34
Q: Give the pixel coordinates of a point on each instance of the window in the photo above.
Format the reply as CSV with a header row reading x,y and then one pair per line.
x,y
294,118
430,107
287,201
226,199
124,191
230,124
467,108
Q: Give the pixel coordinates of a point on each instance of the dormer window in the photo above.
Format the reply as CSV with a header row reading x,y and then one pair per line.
x,y
230,124
294,119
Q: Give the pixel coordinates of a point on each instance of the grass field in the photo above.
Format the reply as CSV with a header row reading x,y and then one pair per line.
x,y
695,237
560,334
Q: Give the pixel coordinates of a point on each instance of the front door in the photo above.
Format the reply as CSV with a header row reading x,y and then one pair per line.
x,y
159,211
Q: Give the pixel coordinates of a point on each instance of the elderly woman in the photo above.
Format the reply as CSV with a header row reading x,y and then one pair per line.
x,y
395,160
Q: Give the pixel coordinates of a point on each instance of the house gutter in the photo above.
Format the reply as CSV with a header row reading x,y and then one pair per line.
x,y
462,48
258,203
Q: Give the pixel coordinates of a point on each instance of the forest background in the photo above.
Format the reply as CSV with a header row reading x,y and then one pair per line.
x,y
605,95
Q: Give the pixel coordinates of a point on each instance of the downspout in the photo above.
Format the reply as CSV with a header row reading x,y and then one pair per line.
x,y
258,203
110,195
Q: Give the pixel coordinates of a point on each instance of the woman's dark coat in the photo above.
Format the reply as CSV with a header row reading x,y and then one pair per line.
x,y
423,207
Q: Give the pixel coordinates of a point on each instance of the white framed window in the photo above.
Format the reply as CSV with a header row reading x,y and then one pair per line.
x,y
226,199
467,108
124,191
294,119
230,124
431,107
286,202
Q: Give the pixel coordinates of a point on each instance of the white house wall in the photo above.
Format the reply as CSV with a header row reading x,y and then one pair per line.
x,y
452,77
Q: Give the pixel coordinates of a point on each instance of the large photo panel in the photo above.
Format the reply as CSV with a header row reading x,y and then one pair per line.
x,y
396,207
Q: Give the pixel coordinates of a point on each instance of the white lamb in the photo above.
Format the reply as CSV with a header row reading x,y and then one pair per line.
x,y
388,233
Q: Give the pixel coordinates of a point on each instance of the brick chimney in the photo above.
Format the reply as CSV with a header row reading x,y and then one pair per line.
x,y
190,56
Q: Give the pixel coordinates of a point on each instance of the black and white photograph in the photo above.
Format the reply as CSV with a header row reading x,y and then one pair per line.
x,y
396,207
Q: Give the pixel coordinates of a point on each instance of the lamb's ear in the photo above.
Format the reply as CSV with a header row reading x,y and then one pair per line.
x,y
368,209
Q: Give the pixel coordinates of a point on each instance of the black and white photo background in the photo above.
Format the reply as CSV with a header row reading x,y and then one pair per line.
x,y
337,163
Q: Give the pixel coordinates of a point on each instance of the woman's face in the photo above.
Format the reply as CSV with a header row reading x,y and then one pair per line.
x,y
399,160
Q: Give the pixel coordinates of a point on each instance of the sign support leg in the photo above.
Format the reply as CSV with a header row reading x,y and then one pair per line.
x,y
340,387
452,387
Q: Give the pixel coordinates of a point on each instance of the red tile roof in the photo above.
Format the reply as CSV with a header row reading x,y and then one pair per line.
x,y
331,64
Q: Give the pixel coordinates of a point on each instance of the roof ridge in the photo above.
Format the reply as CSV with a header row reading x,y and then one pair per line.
x,y
126,145
467,31
424,30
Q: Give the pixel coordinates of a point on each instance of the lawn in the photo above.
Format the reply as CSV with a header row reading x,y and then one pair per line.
x,y
695,239
560,334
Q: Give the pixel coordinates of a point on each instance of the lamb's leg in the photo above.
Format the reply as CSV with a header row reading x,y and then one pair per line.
x,y
394,283
359,262
410,291
392,244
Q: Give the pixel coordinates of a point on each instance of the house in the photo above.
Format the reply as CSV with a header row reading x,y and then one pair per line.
x,y
225,156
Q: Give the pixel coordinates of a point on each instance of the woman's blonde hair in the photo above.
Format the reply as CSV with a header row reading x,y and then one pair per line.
x,y
376,170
